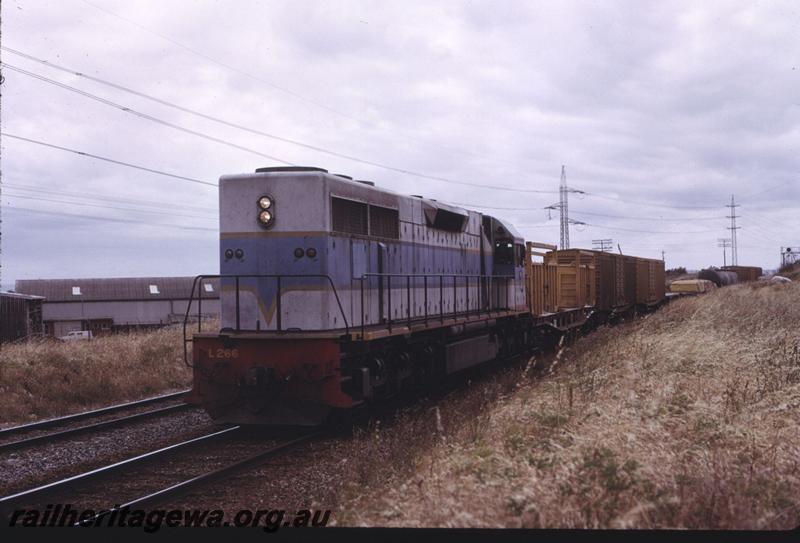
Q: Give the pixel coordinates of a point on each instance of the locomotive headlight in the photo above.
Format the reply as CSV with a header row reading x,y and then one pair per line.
x,y
266,211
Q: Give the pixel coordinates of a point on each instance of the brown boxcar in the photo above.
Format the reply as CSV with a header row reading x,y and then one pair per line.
x,y
746,273
609,270
649,280
552,286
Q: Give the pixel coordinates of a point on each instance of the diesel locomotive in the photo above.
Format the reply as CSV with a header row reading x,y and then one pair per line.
x,y
336,293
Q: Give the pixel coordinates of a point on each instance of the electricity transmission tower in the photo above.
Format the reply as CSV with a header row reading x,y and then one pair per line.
x,y
724,243
605,245
563,208
563,199
733,228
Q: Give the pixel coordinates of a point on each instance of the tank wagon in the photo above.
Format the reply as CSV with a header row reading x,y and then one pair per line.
x,y
336,293
730,275
720,278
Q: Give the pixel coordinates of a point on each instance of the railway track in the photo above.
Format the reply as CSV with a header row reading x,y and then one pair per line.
x,y
50,492
26,430
187,485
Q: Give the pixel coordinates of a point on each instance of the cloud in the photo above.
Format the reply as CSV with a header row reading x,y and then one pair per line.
x,y
679,104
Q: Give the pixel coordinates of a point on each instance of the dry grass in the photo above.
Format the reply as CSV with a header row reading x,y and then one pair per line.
x,y
792,271
41,379
688,418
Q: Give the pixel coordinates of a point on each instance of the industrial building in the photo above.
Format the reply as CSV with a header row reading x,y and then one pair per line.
x,y
123,303
20,316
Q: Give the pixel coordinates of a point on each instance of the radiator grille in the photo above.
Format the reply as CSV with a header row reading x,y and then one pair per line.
x,y
384,222
349,216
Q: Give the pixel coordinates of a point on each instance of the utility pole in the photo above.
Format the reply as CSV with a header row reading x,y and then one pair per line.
x,y
563,200
724,243
2,80
733,228
605,245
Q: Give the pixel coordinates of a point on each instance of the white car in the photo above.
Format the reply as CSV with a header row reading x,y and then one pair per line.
x,y
77,335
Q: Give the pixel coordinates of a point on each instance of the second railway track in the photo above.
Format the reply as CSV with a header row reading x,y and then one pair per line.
x,y
19,437
171,471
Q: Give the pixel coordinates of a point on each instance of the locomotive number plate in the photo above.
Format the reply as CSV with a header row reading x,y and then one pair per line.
x,y
223,353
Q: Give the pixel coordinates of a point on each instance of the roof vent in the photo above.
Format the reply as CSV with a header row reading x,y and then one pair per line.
x,y
343,176
290,169
370,183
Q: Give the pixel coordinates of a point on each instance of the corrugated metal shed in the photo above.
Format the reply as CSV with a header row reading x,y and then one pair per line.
x,y
20,316
116,289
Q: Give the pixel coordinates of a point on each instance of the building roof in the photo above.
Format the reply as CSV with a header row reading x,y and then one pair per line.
x,y
117,288
21,296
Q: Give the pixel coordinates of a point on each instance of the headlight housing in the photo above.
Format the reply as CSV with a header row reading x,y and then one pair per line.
x,y
266,211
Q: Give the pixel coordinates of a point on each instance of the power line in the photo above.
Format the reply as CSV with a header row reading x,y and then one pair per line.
x,y
642,202
769,222
106,159
107,198
224,142
646,231
651,231
212,184
143,115
773,187
225,65
295,142
107,219
572,211
138,167
104,206
262,80
269,135
668,219
604,245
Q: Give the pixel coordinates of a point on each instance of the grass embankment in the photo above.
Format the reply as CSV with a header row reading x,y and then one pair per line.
x,y
41,379
792,271
689,417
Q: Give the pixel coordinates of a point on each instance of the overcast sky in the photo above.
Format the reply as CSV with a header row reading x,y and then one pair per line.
x,y
659,111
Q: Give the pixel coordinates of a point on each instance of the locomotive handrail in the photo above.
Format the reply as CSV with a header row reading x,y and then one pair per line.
x,y
441,276
236,277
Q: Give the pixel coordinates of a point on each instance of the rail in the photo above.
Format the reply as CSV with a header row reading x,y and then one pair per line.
x,y
488,299
279,278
